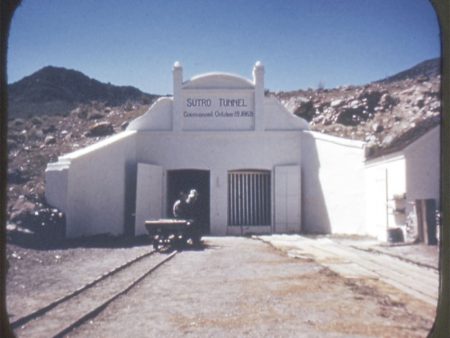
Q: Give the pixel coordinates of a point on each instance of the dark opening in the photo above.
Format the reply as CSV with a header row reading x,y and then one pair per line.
x,y
130,199
185,180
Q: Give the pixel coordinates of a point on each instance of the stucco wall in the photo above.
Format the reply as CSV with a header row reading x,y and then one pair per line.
x,y
97,186
414,171
333,184
384,178
218,152
423,167
56,181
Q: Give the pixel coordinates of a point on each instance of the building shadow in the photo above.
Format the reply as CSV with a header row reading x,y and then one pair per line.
x,y
38,241
315,217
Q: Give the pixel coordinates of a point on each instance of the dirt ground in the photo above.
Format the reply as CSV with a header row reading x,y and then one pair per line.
x,y
36,277
234,287
243,287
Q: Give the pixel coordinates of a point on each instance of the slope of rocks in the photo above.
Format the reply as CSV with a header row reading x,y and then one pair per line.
x,y
386,114
36,141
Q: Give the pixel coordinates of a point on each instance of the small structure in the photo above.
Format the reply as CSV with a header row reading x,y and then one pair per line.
x,y
397,181
257,167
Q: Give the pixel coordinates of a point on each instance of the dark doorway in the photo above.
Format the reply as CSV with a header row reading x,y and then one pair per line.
x,y
185,180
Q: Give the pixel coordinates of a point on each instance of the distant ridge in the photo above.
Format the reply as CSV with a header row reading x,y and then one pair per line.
x,y
428,68
56,90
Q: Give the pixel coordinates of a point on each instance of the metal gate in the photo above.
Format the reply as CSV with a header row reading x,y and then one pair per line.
x,y
249,201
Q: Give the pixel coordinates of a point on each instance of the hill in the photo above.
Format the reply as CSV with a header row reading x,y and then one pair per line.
x,y
387,114
426,69
56,90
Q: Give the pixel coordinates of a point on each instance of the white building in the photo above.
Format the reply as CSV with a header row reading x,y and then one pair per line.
x,y
258,168
394,183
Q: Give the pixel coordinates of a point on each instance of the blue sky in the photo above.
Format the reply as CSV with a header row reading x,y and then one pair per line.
x,y
301,42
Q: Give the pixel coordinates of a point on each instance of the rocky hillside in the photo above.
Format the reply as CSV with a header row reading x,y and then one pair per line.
x,y
55,90
387,114
33,142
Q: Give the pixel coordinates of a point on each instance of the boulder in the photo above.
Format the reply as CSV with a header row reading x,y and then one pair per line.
x,y
22,210
305,110
352,116
18,122
336,103
80,112
388,101
100,129
371,98
36,134
420,101
36,120
377,128
49,129
388,140
95,115
17,176
50,140
12,144
124,125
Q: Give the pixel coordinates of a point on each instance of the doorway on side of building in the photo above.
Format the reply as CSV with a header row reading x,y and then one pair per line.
x,y
183,180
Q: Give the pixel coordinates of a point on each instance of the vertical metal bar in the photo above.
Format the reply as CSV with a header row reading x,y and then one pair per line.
x,y
232,198
238,196
266,197
245,199
239,204
269,197
267,207
235,199
262,199
256,199
229,199
249,199
260,193
252,199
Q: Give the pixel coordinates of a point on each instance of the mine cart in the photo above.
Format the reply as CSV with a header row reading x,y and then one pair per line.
x,y
172,233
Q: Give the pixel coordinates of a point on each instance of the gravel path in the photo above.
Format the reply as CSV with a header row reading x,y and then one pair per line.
x,y
243,287
38,277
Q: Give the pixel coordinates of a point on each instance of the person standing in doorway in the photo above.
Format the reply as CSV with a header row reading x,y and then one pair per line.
x,y
185,208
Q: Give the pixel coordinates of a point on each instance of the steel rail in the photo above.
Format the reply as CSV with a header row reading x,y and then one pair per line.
x,y
41,311
97,309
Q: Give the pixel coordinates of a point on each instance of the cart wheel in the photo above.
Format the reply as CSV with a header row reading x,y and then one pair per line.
x,y
159,243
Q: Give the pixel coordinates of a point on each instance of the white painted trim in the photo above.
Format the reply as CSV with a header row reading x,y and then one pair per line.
x,y
95,146
337,140
397,156
186,84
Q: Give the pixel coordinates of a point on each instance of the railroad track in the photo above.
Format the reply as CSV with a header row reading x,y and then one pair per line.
x,y
66,313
